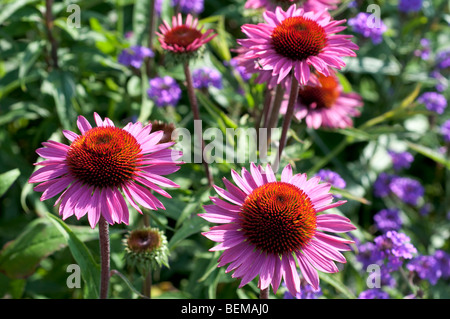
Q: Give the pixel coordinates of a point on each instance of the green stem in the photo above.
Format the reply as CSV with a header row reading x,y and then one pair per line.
x,y
103,230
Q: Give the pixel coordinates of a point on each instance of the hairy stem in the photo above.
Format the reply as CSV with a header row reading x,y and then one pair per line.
x,y
49,27
103,230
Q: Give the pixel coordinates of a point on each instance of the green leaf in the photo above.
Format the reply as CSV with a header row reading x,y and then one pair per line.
x,y
333,281
90,270
431,154
372,65
31,54
191,226
12,6
7,179
61,86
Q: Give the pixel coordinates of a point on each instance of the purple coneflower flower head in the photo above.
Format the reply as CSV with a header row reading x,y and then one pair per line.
x,y
368,28
206,77
374,293
407,189
410,5
295,40
401,159
183,38
445,130
134,56
164,91
433,101
388,219
268,227
103,163
426,268
322,103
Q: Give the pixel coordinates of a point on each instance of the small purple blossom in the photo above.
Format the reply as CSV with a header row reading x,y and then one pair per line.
x,y
134,56
306,292
368,254
184,6
241,70
426,267
381,186
445,130
410,5
164,91
206,77
401,159
441,81
368,28
388,219
331,177
443,260
424,51
443,59
373,294
433,101
394,244
407,189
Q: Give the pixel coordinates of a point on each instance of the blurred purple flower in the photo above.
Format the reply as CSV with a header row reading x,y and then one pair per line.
x,y
368,254
445,130
388,219
164,91
425,50
433,101
331,177
241,70
306,292
367,28
382,185
134,56
206,77
407,189
443,59
410,5
401,159
426,267
443,260
373,294
442,82
184,6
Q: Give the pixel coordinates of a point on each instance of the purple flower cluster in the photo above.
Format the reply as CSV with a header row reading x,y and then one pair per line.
x,y
206,77
134,56
368,28
431,267
401,159
445,130
241,70
406,189
184,6
306,292
374,293
443,59
331,177
164,91
410,5
433,101
425,50
388,219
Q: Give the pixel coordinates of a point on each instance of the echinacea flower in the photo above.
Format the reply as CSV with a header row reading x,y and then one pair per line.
x,y
102,166
322,103
183,38
295,40
269,227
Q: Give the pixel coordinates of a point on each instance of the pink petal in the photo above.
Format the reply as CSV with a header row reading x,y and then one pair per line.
x,y
83,124
291,277
309,273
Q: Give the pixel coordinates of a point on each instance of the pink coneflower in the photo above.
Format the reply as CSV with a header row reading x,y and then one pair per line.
x,y
101,164
182,38
270,226
322,103
297,40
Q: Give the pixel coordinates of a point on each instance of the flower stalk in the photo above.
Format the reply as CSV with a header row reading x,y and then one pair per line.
x,y
103,229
